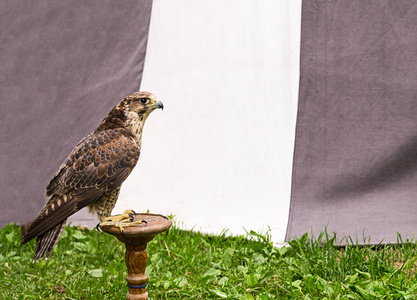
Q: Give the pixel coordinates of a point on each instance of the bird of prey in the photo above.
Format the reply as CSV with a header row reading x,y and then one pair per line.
x,y
93,172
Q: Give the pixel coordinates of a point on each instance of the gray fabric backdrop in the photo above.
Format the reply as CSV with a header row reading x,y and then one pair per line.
x,y
64,65
355,163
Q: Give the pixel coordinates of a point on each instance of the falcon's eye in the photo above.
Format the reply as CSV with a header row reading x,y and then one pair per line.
x,y
143,100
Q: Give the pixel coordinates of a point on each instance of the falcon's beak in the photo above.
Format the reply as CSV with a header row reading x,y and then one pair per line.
x,y
158,104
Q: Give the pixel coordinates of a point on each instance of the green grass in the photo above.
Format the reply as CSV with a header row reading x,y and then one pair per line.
x,y
190,265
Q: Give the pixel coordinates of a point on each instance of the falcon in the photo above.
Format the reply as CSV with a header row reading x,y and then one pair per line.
x,y
93,173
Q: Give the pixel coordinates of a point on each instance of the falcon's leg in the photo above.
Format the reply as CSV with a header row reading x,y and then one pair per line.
x,y
103,208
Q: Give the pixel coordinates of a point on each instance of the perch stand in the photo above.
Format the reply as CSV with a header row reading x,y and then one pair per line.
x,y
135,239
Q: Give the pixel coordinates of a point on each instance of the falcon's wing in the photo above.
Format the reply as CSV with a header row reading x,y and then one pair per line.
x,y
98,165
101,161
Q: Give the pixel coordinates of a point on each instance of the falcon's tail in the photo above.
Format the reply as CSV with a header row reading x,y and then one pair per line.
x,y
46,242
47,227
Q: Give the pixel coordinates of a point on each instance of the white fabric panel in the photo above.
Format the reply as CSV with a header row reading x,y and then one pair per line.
x,y
220,154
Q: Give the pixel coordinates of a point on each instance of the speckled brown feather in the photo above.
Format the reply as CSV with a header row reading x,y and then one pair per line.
x,y
93,172
96,163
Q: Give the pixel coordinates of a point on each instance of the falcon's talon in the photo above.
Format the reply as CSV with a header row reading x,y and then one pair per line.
x,y
129,212
98,228
143,221
131,217
125,219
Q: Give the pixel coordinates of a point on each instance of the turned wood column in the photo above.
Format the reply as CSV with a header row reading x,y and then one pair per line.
x,y
136,261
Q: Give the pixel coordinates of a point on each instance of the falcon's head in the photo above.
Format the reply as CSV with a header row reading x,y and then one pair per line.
x,y
141,103
132,111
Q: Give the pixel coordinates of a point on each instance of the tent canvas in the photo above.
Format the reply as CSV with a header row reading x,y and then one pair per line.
x,y
355,162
